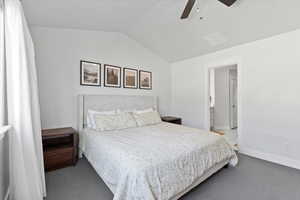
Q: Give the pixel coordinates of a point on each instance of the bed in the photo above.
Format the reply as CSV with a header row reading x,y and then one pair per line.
x,y
157,162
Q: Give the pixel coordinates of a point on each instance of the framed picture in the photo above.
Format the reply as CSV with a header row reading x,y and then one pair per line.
x,y
130,78
90,73
145,80
112,76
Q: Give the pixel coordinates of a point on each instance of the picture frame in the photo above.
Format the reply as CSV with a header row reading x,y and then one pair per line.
x,y
90,73
130,78
145,80
112,76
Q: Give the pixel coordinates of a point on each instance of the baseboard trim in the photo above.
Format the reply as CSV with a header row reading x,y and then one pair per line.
x,y
281,160
221,127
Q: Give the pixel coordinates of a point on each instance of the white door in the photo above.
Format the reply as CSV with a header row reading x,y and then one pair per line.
x,y
233,103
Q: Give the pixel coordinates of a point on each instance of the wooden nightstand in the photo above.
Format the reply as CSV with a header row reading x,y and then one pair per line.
x,y
60,148
174,120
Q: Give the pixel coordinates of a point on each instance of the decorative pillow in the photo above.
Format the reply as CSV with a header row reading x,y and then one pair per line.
x,y
147,118
127,120
114,122
90,120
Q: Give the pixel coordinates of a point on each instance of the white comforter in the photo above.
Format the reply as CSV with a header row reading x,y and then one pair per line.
x,y
154,162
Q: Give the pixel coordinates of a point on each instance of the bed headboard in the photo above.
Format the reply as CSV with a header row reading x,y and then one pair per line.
x,y
112,102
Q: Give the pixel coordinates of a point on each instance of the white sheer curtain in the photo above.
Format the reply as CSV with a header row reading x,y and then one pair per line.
x,y
20,105
2,68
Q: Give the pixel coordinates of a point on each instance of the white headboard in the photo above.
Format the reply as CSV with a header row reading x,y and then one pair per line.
x,y
112,102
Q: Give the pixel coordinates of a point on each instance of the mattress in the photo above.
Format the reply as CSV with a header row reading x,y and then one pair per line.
x,y
159,162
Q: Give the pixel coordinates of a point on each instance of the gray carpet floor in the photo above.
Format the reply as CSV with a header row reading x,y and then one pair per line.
x,y
252,179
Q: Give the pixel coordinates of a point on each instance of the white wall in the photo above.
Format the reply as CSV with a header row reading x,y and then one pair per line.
x,y
269,88
58,53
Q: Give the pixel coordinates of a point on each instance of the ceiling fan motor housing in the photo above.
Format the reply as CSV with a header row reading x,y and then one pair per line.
x,y
190,4
228,2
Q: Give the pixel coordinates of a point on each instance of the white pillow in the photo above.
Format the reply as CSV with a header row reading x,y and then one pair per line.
x,y
90,120
144,111
118,121
147,118
118,111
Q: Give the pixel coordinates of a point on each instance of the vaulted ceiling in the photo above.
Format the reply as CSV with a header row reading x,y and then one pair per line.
x,y
156,24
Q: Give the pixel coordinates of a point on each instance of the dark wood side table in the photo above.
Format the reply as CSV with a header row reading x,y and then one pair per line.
x,y
174,120
60,148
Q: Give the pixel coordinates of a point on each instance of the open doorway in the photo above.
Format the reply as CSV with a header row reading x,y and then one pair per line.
x,y
223,95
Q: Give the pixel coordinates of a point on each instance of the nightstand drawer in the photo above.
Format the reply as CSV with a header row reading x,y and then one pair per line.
x,y
173,120
60,148
177,121
58,158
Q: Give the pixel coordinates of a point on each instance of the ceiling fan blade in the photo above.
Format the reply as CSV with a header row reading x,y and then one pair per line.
x,y
188,8
228,2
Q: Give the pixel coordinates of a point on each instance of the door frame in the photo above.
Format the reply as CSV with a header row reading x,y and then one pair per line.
x,y
218,64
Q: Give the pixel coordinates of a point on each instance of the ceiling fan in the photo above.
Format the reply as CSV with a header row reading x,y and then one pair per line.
x,y
190,4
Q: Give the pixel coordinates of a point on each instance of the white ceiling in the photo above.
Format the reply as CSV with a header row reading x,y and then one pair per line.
x,y
156,24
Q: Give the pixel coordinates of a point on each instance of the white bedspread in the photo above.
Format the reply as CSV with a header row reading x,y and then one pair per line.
x,y
154,162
